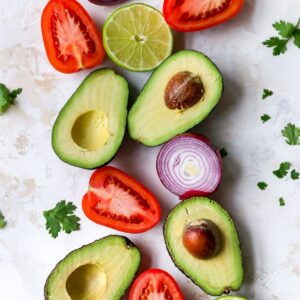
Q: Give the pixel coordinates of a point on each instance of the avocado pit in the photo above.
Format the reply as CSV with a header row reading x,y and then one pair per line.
x,y
90,130
202,239
183,90
87,282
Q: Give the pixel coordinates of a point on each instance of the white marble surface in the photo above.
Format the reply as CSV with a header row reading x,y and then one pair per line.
x,y
33,179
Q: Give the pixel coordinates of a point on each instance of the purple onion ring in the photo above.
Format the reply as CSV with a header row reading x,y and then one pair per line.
x,y
189,166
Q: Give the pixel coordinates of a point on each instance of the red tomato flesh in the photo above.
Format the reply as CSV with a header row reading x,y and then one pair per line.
x,y
193,15
155,284
118,201
71,39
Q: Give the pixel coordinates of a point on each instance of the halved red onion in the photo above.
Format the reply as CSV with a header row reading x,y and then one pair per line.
x,y
189,165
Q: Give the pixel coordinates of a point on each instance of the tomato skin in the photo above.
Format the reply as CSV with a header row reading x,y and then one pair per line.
x,y
150,216
157,277
79,60
172,15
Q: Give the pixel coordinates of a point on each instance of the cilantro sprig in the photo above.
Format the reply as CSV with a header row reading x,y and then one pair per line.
x,y
61,217
266,93
281,201
283,169
262,185
286,32
7,98
265,118
295,175
2,221
292,134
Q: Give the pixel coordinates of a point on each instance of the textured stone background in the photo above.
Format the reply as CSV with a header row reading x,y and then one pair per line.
x,y
32,179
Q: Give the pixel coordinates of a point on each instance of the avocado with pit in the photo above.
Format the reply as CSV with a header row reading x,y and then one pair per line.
x,y
103,269
180,93
90,127
203,243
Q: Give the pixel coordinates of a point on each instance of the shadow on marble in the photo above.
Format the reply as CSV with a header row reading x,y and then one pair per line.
x,y
179,41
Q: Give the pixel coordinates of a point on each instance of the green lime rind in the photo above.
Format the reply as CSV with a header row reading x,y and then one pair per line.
x,y
123,64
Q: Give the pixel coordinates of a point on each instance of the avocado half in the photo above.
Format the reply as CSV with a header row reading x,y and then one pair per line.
x,y
151,122
220,274
90,127
103,269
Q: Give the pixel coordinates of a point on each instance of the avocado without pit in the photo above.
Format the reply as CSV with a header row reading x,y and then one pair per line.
x,y
181,92
103,269
90,127
188,230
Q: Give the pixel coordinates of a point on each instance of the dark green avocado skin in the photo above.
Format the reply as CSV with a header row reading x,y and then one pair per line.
x,y
129,245
165,238
161,65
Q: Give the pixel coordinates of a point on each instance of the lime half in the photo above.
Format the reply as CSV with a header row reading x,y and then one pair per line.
x,y
137,37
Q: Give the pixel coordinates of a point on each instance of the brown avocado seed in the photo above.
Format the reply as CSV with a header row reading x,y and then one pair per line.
x,y
202,239
183,90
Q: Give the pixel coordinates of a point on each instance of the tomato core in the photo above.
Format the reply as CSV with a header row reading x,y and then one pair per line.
x,y
116,200
159,289
193,15
120,202
70,36
155,284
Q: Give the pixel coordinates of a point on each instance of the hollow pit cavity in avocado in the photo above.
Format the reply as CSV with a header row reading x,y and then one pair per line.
x,y
103,269
90,127
90,130
87,282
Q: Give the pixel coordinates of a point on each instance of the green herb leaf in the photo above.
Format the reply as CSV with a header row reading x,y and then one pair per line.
x,y
2,221
266,93
61,217
7,98
292,134
283,170
265,118
262,185
296,36
278,44
295,175
223,152
284,29
15,93
281,201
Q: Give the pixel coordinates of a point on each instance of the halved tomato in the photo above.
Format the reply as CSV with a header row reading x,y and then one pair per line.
x,y
70,36
193,15
118,201
155,284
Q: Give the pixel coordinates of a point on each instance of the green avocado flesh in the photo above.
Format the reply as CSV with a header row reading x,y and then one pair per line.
x,y
151,122
103,269
90,128
216,275
231,298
